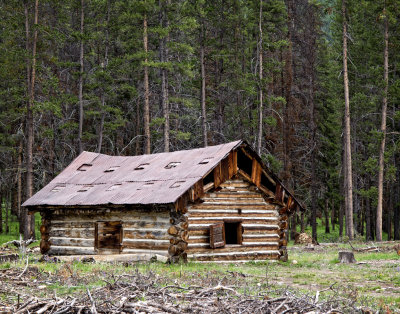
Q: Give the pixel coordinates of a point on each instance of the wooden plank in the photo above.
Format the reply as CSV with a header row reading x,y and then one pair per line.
x,y
85,233
60,241
225,169
217,235
230,206
230,248
236,256
279,193
217,176
71,250
146,234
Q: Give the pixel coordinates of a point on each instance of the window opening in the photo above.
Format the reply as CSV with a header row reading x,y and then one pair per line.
x,y
233,232
141,166
209,178
114,187
58,188
244,162
267,183
85,188
84,167
176,184
111,169
205,161
172,165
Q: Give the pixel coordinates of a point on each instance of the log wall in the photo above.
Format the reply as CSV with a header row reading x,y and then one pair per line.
x,y
72,232
235,200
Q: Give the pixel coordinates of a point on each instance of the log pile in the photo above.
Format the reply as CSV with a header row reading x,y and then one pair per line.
x,y
144,293
178,235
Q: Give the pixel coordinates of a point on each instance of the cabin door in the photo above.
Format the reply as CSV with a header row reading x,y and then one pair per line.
x,y
108,237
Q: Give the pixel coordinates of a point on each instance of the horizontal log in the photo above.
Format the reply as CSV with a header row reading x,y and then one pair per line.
x,y
236,200
229,212
266,232
138,251
58,241
71,250
68,232
235,184
217,206
236,255
260,226
230,248
204,244
199,232
111,215
231,194
215,219
146,245
146,234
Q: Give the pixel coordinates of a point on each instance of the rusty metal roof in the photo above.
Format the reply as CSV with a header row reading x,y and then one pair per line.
x,y
98,179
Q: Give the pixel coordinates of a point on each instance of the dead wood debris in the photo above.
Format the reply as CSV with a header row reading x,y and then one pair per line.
x,y
149,293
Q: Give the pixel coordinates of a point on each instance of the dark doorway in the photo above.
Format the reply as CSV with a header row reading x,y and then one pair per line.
x,y
233,232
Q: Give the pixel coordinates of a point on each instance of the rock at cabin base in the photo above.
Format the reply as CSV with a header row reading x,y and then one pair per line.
x,y
346,257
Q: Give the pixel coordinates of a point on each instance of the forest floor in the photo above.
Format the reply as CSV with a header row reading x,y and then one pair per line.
x,y
311,280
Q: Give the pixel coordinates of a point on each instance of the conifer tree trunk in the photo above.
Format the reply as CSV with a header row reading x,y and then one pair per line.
x,y
103,96
29,224
348,162
203,88
260,77
146,109
1,210
383,131
81,79
164,75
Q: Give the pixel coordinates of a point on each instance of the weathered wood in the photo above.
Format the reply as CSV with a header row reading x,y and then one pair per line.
x,y
148,244
59,241
208,187
279,193
265,254
231,205
71,250
229,248
217,175
256,173
217,235
173,230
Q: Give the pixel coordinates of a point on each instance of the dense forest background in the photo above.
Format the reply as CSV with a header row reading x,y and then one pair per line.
x,y
128,77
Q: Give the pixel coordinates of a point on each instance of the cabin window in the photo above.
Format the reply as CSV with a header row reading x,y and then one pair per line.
x,y
108,235
205,161
58,188
114,187
209,178
85,188
267,183
84,167
244,162
141,166
228,232
111,169
233,232
172,165
176,184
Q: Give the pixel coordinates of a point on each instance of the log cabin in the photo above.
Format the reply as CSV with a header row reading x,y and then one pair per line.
x,y
207,204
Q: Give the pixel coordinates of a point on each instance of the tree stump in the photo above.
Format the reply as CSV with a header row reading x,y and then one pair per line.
x,y
346,257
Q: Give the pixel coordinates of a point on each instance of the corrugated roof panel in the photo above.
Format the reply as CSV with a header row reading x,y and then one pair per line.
x,y
133,188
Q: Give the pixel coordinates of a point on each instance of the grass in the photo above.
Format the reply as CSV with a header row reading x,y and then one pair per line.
x,y
13,226
375,283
